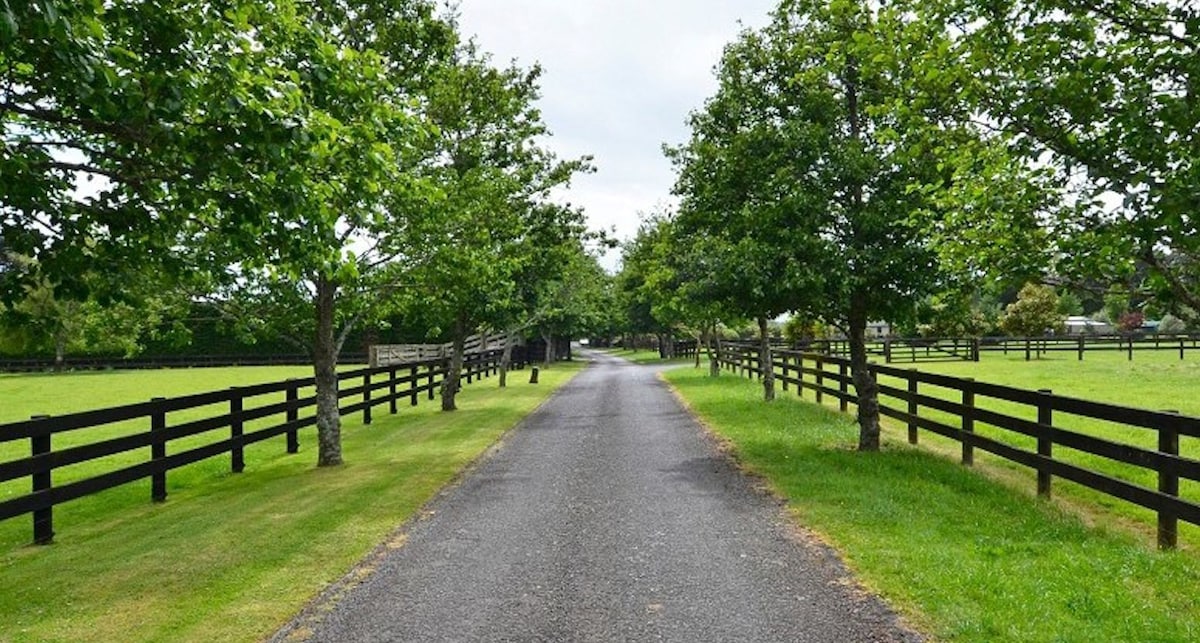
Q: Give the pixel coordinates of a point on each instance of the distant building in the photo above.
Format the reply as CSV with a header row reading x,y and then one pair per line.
x,y
1077,325
878,329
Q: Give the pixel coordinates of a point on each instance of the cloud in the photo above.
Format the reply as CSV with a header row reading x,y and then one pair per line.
x,y
620,77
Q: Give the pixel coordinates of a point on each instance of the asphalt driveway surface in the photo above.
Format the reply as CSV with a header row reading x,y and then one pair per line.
x,y
607,516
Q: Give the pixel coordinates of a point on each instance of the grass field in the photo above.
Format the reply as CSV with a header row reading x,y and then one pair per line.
x,y
964,559
231,557
1154,380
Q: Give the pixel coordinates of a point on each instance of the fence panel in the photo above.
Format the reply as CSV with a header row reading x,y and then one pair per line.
x,y
43,460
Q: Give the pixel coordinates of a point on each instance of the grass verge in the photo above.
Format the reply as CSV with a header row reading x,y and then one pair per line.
x,y
232,558
964,558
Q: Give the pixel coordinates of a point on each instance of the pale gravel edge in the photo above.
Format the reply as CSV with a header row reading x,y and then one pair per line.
x,y
299,628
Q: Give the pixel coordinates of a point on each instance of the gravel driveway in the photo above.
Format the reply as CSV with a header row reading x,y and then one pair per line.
x,y
607,516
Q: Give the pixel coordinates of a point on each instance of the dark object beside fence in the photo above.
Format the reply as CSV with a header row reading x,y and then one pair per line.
x,y
399,382
812,372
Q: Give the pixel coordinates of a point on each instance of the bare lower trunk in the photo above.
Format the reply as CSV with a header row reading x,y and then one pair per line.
x,y
864,381
329,419
765,360
714,364
60,352
450,383
550,356
714,358
699,342
506,358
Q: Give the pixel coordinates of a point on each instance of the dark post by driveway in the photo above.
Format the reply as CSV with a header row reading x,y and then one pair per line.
x,y
607,516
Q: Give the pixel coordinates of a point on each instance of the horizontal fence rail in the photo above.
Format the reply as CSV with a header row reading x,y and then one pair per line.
x,y
938,349
988,417
363,390
167,361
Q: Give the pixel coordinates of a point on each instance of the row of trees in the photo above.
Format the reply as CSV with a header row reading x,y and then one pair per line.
x,y
308,166
861,158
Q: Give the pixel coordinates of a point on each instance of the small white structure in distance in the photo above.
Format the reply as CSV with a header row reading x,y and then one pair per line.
x,y
1077,325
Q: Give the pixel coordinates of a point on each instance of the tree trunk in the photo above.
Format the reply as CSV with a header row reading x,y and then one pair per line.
x,y
506,358
450,383
864,382
60,351
550,356
765,360
714,364
329,418
700,342
714,359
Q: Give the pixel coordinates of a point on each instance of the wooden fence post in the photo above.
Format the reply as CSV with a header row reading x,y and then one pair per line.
x,y
1130,348
43,519
1080,348
413,385
1168,483
974,349
800,375
820,379
237,459
783,357
293,414
887,351
912,405
366,397
968,422
430,374
158,452
1045,445
392,389
1028,348
843,388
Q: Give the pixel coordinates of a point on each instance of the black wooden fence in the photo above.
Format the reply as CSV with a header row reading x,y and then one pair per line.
x,y
941,349
951,407
364,389
28,365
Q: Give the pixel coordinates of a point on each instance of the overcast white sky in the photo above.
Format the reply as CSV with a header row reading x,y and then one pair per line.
x,y
619,78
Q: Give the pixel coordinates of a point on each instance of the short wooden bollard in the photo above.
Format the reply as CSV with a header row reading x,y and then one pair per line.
x,y
1045,445
43,519
533,375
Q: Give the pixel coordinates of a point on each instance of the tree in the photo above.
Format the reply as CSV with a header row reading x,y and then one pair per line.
x,y
746,212
1034,314
1104,92
243,143
489,164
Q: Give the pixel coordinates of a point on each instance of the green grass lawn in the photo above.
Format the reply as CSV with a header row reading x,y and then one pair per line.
x,y
964,558
232,557
1154,380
